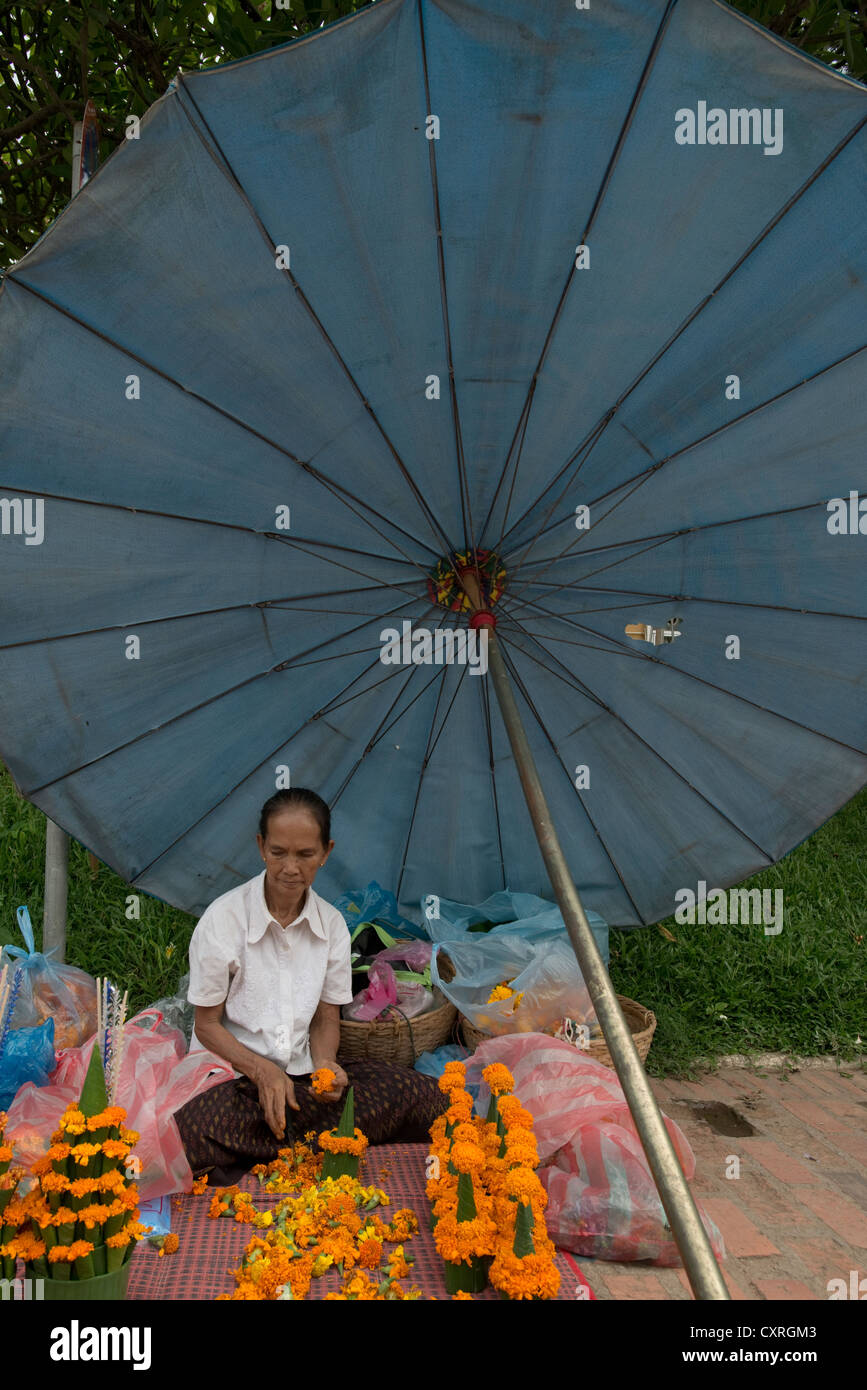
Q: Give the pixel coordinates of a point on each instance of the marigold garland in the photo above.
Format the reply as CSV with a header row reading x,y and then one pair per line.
x,y
342,1144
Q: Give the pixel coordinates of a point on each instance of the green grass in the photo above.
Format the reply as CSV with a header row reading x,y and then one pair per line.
x,y
146,957
801,992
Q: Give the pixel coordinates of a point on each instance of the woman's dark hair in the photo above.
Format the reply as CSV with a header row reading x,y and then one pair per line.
x,y
301,799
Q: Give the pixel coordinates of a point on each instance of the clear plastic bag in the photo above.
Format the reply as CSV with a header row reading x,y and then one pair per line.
x,y
602,1200
50,990
503,914
157,1077
542,971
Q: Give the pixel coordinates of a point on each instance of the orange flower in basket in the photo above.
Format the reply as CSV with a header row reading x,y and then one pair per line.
x,y
323,1080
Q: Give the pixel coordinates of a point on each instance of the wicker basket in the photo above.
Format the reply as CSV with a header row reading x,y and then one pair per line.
x,y
642,1025
398,1040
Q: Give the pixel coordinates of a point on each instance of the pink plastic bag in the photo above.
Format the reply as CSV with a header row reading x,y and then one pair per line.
x,y
388,997
376,997
602,1200
156,1079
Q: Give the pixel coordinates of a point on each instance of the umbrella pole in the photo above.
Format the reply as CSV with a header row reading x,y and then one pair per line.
x,y
698,1258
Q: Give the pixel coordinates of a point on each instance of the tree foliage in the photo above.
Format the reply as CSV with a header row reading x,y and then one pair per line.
x,y
124,53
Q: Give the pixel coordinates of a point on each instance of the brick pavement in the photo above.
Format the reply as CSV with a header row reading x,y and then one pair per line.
x,y
796,1215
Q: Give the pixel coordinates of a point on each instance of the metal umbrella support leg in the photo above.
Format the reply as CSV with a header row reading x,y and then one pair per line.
x,y
692,1241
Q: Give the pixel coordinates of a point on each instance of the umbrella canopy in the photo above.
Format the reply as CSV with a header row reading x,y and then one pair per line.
x,y
410,294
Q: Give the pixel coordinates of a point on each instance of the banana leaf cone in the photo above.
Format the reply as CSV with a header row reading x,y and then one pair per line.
x,y
522,1244
470,1276
342,1165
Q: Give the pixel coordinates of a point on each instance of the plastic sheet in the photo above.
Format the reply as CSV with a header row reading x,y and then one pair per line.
x,y
156,1079
602,1201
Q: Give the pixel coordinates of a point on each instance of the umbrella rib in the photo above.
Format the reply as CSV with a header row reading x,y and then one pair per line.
x,y
573,642
275,603
612,410
486,705
336,489
697,598
283,744
531,706
690,675
463,484
383,726
213,148
429,754
209,521
639,479
524,418
420,781
661,538
212,699
585,689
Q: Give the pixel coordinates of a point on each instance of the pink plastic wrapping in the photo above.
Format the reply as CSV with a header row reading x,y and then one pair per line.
x,y
156,1079
602,1200
385,990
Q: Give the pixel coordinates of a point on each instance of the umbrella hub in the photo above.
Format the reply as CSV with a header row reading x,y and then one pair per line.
x,y
469,581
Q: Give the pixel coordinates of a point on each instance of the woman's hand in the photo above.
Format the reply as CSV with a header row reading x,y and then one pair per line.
x,y
341,1081
276,1091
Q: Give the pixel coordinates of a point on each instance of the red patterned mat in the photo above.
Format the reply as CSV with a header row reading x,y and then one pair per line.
x,y
210,1249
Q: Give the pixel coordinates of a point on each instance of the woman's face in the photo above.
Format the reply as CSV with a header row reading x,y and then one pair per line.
x,y
293,851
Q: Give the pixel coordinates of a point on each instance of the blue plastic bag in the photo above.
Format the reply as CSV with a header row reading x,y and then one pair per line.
x,y
520,914
374,904
28,1055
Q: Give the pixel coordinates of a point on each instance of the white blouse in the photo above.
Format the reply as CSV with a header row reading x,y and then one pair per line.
x,y
272,978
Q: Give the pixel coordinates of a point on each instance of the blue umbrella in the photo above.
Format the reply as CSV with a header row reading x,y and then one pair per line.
x,y
546,316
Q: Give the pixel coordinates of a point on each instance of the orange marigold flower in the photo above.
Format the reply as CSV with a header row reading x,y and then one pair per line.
x,y
323,1080
109,1118
459,1241
461,1108
462,1296
499,1079
68,1253
115,1148
82,1153
171,1243
54,1182
370,1253
468,1158
523,1184
29,1247
199,1184
342,1144
530,1276
499,992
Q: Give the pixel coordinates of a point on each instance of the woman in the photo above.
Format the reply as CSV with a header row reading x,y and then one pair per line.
x,y
269,970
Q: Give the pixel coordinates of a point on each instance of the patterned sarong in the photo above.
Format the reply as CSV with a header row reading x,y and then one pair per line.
x,y
224,1131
